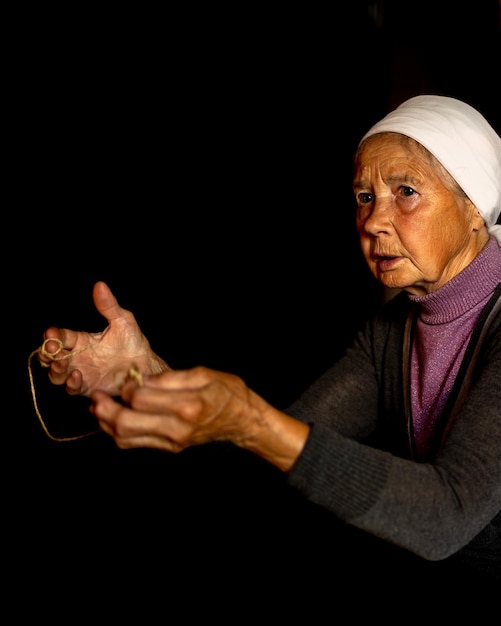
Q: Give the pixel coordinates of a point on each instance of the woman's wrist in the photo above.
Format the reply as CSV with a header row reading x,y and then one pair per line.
x,y
276,437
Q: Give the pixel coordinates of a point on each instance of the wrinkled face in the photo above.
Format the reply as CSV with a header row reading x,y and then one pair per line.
x,y
417,229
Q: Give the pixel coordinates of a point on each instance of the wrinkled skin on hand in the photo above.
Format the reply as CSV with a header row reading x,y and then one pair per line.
x,y
101,360
158,407
178,409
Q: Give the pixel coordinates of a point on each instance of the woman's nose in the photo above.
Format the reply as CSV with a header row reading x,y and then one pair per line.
x,y
380,217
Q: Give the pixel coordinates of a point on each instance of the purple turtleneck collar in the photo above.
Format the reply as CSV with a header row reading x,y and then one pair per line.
x,y
445,322
475,283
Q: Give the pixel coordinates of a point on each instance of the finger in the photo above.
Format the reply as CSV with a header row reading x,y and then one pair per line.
x,y
74,383
59,369
130,428
58,372
67,337
122,421
106,303
149,441
193,378
152,437
104,407
183,402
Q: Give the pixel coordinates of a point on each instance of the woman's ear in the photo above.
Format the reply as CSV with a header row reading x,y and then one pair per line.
x,y
477,221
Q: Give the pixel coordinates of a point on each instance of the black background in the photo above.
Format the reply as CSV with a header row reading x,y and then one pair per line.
x,y
199,162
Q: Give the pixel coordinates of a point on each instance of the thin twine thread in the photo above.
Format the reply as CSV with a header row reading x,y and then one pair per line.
x,y
133,372
53,357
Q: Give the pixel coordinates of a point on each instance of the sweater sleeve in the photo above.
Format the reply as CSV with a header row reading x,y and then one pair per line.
x,y
432,509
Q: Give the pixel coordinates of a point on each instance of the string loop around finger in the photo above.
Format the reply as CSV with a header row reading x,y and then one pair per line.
x,y
52,356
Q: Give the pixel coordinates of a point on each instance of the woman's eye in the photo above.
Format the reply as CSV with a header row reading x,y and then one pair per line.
x,y
407,191
365,198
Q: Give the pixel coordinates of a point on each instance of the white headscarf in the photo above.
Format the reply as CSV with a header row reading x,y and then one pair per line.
x,y
462,140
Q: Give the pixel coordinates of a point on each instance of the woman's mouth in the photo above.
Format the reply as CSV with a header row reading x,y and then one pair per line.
x,y
386,263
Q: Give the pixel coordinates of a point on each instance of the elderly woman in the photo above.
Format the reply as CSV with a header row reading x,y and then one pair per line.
x,y
401,438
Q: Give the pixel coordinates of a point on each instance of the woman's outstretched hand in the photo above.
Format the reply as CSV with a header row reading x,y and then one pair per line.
x,y
159,407
85,362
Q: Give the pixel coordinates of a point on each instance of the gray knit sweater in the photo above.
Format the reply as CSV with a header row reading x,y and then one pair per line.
x,y
359,460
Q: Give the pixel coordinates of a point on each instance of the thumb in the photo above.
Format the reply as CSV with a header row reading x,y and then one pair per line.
x,y
105,302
